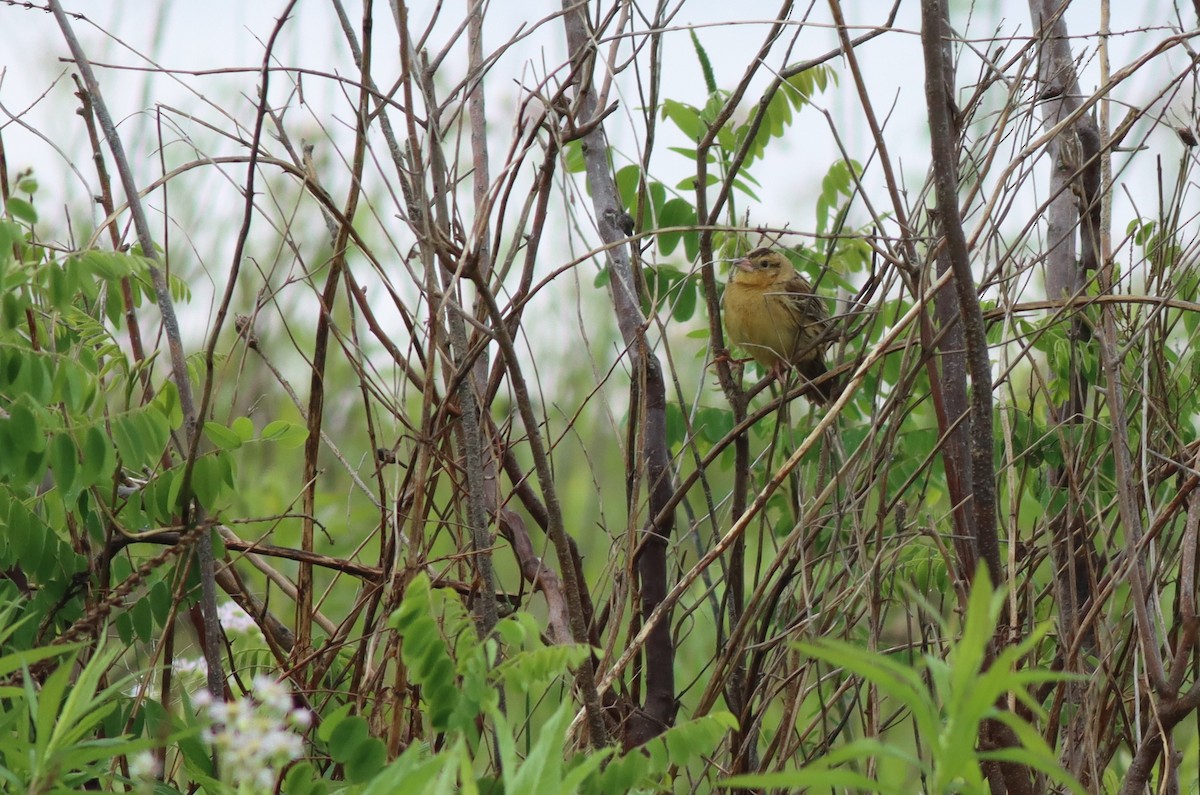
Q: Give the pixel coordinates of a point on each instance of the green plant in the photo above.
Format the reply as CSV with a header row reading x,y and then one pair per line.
x,y
948,700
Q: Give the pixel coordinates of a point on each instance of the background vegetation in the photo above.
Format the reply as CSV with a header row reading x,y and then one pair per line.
x,y
399,444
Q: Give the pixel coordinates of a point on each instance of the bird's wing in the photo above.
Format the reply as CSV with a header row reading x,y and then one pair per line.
x,y
806,307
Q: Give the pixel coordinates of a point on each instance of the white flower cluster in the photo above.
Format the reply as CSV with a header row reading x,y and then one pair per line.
x,y
144,769
256,736
236,620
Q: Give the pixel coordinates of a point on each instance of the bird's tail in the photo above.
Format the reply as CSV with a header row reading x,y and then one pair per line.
x,y
822,391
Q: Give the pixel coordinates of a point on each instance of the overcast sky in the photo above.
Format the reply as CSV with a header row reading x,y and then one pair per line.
x,y
194,36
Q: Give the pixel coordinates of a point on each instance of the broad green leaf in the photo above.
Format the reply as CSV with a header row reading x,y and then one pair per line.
x,y
98,459
573,157
143,619
676,212
287,435
689,183
167,401
221,436
627,185
22,210
686,296
24,429
243,427
685,117
129,446
64,461
424,652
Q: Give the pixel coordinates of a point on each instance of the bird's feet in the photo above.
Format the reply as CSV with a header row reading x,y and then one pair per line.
x,y
727,357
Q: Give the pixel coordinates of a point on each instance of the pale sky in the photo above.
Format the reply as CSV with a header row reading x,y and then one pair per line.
x,y
227,34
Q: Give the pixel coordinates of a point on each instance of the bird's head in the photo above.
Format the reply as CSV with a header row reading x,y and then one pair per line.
x,y
762,266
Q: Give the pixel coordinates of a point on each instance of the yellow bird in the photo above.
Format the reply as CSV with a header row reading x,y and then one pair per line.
x,y
772,312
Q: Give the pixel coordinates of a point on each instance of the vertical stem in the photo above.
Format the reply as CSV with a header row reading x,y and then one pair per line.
x,y
316,398
179,372
945,175
660,705
472,385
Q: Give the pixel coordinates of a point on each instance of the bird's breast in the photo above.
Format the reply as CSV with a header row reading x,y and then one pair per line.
x,y
759,324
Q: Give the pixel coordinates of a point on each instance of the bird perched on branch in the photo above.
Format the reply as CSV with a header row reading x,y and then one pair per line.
x,y
772,312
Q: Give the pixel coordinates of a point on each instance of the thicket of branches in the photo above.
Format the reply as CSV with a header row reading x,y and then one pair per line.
x,y
460,431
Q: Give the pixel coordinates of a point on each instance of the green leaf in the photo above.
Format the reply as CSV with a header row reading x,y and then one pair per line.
x,y
690,153
800,88
686,118
627,180
689,183
425,653
330,723
779,114
155,429
531,671
143,619
287,435
24,430
367,759
32,468
243,427
745,188
573,158
98,459
22,210
347,735
207,482
809,778
303,779
129,447
160,601
676,212
713,424
10,235
691,246
38,381
416,771
221,436
111,266
167,401
64,461
676,426
543,762
12,310
686,296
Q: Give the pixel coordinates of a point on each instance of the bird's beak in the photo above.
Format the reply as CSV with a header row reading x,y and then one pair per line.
x,y
744,264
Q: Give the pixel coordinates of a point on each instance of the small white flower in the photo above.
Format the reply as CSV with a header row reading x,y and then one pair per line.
x,y
254,735
185,666
144,765
235,620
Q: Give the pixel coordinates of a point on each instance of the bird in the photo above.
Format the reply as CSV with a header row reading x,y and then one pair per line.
x,y
773,313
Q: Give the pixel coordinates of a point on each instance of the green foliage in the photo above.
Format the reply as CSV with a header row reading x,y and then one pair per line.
x,y
427,654
948,701
349,743
839,184
92,459
653,206
55,737
287,435
76,432
459,684
647,767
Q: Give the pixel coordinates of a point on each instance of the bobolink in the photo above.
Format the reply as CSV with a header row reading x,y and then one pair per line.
x,y
772,312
